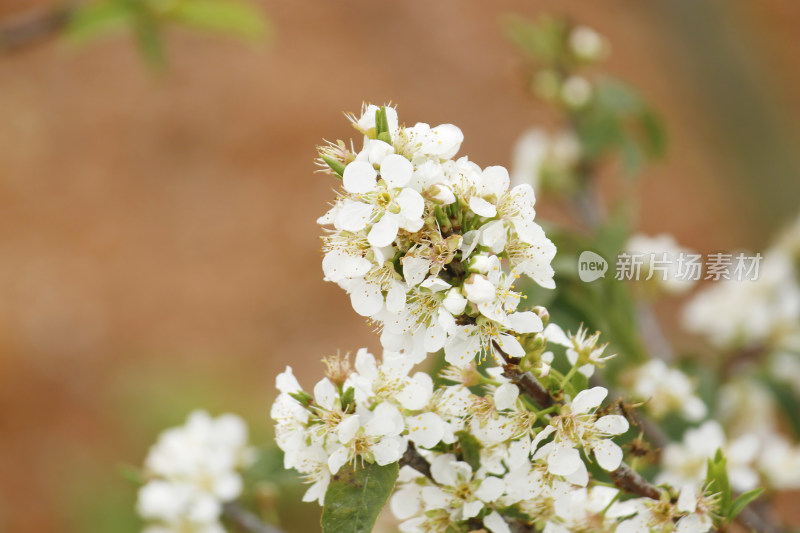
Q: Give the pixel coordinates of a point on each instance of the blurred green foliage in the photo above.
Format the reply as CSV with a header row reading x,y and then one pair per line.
x,y
147,20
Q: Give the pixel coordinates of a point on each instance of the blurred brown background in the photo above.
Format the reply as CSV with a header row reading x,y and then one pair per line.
x,y
158,245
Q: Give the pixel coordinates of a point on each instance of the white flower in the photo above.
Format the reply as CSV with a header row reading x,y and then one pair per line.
x,y
457,490
372,435
390,204
685,462
194,469
583,508
667,390
576,91
576,427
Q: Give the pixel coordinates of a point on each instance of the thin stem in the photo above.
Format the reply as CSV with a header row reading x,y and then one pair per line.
x,y
245,520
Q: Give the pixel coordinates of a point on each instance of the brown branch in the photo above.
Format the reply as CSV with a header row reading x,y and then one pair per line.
x,y
25,30
526,382
244,520
413,459
628,480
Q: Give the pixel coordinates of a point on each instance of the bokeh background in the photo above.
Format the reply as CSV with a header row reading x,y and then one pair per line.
x,y
158,245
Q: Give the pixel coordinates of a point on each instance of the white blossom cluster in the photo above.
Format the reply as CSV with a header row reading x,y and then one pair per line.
x,y
541,476
762,313
666,390
191,471
428,246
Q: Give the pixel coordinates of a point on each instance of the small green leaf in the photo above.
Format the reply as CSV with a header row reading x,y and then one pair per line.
x,y
220,15
470,449
91,20
348,398
355,497
382,126
335,165
743,501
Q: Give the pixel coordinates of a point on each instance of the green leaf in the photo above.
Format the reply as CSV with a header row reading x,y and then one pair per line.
x,y
335,165
788,401
382,126
220,15
355,497
743,501
91,20
470,449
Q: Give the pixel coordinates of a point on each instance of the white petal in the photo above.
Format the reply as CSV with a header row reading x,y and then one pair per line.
x,y
389,450
347,428
325,394
411,203
435,337
443,470
505,397
687,500
525,322
353,216
425,430
579,477
366,298
495,180
588,399
359,177
608,454
612,424
286,382
553,333
337,459
481,207
386,420
563,460
417,392
405,502
396,170
495,523
415,269
470,509
339,265
384,231
491,488
461,349
510,345
396,297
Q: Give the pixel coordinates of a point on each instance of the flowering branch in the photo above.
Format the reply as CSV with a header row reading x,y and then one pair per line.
x,y
627,479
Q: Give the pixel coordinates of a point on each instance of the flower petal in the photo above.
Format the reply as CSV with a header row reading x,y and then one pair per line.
x,y
396,170
481,207
353,216
359,177
612,424
607,453
588,399
384,231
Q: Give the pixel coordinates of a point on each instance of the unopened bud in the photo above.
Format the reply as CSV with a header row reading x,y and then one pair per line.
x,y
479,290
543,314
454,302
440,194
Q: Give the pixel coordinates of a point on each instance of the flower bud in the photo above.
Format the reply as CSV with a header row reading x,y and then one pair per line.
x,y
454,302
440,194
543,314
480,263
479,290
